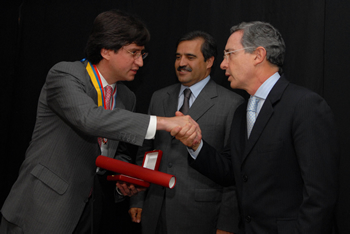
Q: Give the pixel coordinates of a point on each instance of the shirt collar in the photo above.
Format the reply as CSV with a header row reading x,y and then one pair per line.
x,y
266,87
104,82
196,88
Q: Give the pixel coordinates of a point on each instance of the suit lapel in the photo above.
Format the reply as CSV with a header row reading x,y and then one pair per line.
x,y
170,102
238,135
204,101
265,114
201,105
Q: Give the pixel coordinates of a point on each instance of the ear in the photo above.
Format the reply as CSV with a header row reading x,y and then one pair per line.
x,y
210,62
105,53
260,55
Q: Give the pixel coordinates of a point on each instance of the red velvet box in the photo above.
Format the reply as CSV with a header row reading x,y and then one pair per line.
x,y
151,161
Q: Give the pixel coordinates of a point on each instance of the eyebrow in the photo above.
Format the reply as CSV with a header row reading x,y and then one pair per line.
x,y
187,54
228,50
136,48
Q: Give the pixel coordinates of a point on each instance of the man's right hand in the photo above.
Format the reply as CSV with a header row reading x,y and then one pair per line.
x,y
182,127
168,123
135,214
190,134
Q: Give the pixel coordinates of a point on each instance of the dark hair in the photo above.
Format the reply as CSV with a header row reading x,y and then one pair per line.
x,y
112,30
208,48
263,34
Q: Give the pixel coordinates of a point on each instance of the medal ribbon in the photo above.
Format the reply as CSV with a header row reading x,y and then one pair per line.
x,y
96,81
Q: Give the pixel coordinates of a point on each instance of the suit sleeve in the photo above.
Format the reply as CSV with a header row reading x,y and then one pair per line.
x,y
67,96
316,147
215,165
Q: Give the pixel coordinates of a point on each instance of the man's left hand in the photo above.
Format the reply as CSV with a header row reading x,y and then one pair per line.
x,y
128,189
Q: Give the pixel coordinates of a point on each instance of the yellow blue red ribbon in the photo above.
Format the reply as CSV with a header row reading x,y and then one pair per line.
x,y
96,81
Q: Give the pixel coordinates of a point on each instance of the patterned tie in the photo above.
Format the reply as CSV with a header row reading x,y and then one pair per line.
x,y
108,98
108,92
251,113
186,105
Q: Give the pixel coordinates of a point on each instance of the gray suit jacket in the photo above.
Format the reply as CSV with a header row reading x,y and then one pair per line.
x,y
196,204
56,176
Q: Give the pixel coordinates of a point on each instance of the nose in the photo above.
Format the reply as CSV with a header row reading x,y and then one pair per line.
x,y
139,61
223,64
183,61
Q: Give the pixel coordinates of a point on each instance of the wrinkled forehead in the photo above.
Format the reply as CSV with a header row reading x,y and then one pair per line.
x,y
190,47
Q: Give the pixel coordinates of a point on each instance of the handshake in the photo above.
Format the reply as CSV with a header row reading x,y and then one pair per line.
x,y
183,128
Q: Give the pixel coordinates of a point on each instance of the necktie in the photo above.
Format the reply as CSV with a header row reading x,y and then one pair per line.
x,y
108,98
108,95
251,113
186,105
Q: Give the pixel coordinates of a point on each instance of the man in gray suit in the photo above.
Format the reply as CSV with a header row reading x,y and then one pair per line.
x,y
57,180
196,204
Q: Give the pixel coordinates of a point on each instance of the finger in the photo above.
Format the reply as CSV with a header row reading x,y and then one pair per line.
x,y
191,140
138,216
185,129
192,129
182,134
179,113
132,190
195,124
125,190
175,130
197,140
132,213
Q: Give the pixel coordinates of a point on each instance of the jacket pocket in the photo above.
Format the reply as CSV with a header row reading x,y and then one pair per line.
x,y
50,179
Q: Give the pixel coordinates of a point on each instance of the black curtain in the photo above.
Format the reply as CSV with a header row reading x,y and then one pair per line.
x,y
37,34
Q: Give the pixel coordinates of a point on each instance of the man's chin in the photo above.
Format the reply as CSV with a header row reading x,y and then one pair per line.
x,y
129,78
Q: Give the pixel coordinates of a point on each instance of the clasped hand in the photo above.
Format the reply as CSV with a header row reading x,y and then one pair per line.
x,y
128,189
190,134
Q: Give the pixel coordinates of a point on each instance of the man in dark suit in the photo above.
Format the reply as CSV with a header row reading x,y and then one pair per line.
x,y
196,204
83,111
285,168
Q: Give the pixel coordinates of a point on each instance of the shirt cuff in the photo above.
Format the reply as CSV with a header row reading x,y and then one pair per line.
x,y
152,127
193,153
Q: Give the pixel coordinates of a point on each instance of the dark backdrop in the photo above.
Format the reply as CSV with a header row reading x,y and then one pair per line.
x,y
39,33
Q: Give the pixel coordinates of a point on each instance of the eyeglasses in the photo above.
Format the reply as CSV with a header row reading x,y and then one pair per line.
x,y
136,54
227,53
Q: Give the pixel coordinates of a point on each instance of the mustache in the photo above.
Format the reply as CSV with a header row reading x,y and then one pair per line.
x,y
184,68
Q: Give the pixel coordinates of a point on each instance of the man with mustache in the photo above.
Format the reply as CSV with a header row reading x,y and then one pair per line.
x,y
196,204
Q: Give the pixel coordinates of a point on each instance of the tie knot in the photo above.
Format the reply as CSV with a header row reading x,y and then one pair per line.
x,y
187,93
253,104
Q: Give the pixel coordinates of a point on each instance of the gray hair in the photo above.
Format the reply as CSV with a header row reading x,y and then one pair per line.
x,y
263,34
